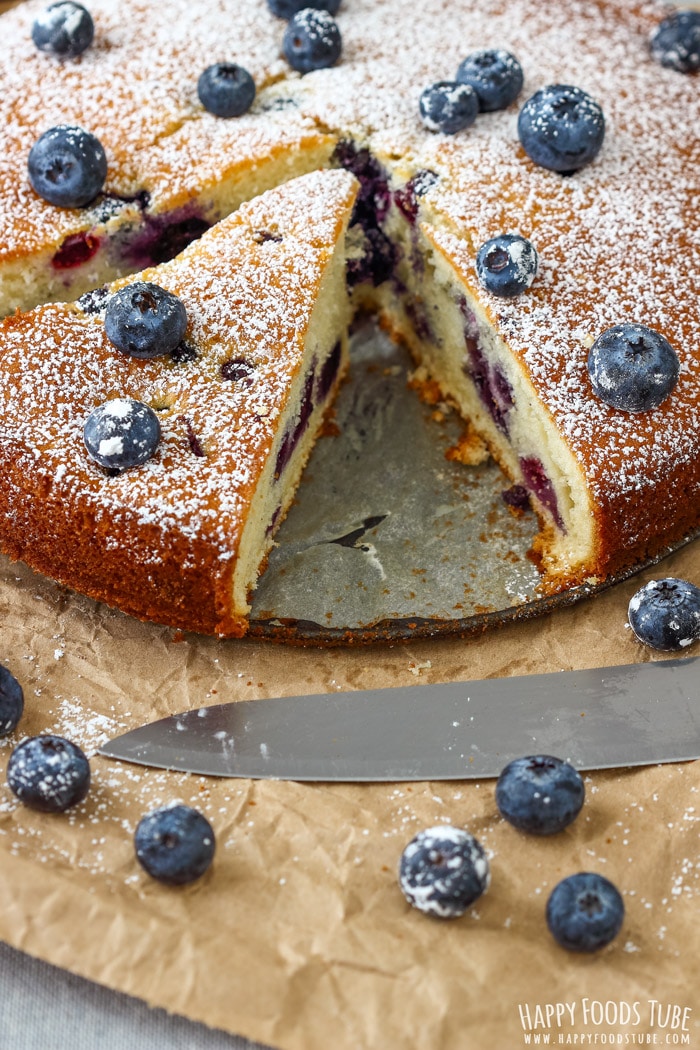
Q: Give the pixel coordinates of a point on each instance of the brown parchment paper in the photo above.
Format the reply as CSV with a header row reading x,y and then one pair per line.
x,y
299,936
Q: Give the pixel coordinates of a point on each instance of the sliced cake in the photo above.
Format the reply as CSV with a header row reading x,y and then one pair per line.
x,y
180,537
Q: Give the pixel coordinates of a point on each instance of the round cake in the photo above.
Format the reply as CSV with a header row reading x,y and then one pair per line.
x,y
439,180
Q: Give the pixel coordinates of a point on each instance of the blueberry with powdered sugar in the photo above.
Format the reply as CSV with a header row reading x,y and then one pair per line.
x,y
448,107
48,773
495,75
507,265
632,367
540,794
67,166
226,89
585,912
443,870
665,614
144,320
11,701
561,128
65,29
121,433
311,41
288,8
675,43
175,844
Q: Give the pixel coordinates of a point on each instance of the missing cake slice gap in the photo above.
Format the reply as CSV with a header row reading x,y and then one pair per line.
x,y
181,538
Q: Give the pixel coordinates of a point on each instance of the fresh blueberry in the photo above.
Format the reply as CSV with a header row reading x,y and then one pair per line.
x,y
448,107
226,90
540,794
561,128
311,41
65,29
632,367
67,166
676,41
665,614
288,8
48,773
144,320
585,912
121,433
11,701
443,870
495,75
175,844
506,265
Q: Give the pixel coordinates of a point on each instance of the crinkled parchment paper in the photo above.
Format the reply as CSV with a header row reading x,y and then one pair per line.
x,y
298,935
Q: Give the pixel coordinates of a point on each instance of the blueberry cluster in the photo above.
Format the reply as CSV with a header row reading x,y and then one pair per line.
x,y
486,80
443,870
174,844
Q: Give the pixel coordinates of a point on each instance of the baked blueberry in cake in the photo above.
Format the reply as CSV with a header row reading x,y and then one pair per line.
x,y
568,187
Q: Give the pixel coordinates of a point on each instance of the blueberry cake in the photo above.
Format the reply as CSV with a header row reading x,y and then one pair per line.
x,y
179,536
525,221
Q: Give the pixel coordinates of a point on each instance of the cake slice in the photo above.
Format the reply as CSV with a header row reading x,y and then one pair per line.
x,y
181,538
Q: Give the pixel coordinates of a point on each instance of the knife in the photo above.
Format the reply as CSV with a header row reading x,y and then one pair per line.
x,y
629,715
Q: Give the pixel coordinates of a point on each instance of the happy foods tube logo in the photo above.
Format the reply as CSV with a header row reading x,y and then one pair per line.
x,y
595,1022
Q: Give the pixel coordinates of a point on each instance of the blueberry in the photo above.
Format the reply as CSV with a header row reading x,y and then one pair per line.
x,y
288,8
561,128
443,870
676,41
312,40
495,75
11,701
175,844
67,166
539,794
506,265
121,433
585,912
226,90
665,614
65,29
48,773
144,320
632,367
448,107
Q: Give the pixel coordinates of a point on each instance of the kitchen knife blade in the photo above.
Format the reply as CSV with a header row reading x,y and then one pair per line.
x,y
635,714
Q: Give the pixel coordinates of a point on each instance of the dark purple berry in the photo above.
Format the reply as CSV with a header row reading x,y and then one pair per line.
x,y
632,367
506,265
311,41
540,794
675,42
495,75
448,107
121,433
48,773
585,912
226,90
175,844
65,29
665,614
67,166
443,870
144,320
11,701
561,128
